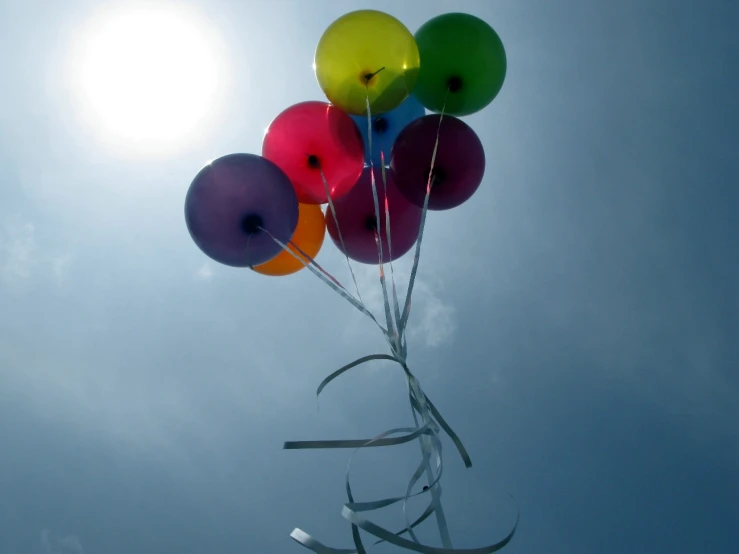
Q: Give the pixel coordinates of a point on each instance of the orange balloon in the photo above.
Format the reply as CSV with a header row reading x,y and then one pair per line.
x,y
308,236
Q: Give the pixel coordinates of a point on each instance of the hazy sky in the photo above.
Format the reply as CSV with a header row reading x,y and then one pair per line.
x,y
576,322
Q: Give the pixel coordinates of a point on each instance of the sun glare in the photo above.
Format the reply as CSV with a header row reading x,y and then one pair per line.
x,y
148,78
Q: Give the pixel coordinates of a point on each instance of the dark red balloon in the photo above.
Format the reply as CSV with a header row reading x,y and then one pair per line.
x,y
458,168
311,136
355,212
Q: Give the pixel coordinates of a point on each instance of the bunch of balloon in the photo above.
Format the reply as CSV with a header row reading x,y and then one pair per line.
x,y
378,162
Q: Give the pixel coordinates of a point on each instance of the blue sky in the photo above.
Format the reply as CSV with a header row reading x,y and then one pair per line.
x,y
576,321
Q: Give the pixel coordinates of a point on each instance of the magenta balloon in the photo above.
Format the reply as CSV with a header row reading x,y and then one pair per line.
x,y
355,212
458,168
227,202
313,136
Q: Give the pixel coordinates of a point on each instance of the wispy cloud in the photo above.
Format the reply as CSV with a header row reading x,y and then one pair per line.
x,y
66,544
432,319
204,273
21,255
60,267
435,322
17,250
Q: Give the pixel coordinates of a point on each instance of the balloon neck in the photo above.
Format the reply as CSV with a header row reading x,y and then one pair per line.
x,y
313,162
380,125
252,224
371,223
438,176
454,83
369,76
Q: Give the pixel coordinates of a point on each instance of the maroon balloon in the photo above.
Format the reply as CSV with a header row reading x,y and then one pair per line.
x,y
311,136
355,212
458,168
231,200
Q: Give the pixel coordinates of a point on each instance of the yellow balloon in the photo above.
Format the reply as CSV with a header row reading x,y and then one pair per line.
x,y
367,53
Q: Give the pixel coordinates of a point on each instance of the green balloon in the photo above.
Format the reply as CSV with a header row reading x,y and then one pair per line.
x,y
464,55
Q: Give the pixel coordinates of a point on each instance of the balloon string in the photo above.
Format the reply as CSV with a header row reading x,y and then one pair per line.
x,y
352,510
310,261
316,264
338,230
323,274
392,325
431,429
399,342
420,404
417,255
414,401
402,324
398,328
396,307
306,260
369,76
330,281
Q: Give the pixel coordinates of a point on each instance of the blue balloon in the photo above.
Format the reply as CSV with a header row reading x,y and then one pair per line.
x,y
386,128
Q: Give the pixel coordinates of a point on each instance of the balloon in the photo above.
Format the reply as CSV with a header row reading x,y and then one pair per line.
x,y
230,199
385,129
311,136
308,237
458,168
463,54
355,213
366,53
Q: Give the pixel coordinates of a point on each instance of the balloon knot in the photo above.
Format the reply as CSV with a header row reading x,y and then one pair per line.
x,y
380,125
438,176
368,76
454,83
313,161
251,224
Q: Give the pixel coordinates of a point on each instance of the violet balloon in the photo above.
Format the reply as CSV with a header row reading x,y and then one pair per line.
x,y
355,212
458,168
230,199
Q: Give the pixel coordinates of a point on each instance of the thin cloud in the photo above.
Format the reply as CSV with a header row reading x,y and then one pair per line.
x,y
68,544
17,250
436,323
204,273
60,268
432,319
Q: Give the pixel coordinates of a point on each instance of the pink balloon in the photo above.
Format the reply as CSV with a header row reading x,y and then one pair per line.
x,y
312,136
355,212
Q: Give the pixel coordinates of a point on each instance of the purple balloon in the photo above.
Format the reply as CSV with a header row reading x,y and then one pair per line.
x,y
355,212
458,168
230,198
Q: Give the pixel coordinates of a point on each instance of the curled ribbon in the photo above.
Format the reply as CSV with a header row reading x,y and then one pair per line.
x,y
431,423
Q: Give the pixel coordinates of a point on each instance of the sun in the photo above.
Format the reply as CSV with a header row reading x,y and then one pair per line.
x,y
147,77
